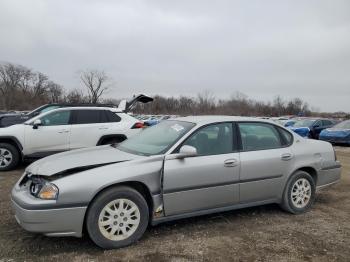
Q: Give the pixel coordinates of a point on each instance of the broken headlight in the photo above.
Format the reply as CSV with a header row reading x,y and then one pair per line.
x,y
43,189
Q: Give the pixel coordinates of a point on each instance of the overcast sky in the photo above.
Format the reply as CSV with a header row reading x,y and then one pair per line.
x,y
261,48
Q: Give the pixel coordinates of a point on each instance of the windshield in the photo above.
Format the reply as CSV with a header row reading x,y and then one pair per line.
x,y
156,139
343,125
42,109
305,122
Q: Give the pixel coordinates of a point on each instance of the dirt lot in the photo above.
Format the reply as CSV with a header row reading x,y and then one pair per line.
x,y
263,233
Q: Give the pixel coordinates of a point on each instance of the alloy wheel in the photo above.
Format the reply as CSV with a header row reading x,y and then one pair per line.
x,y
5,157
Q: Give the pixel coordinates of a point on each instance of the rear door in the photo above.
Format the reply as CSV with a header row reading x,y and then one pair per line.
x,y
209,180
266,158
88,126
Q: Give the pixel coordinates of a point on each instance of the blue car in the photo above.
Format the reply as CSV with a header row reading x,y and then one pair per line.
x,y
338,134
289,123
311,128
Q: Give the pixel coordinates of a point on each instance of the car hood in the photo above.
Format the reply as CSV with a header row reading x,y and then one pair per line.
x,y
303,131
11,130
9,120
79,160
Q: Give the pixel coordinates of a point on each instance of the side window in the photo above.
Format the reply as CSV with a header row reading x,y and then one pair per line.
x,y
112,117
88,116
259,136
56,118
212,140
326,123
318,123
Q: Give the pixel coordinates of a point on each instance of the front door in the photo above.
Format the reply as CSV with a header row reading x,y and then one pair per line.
x,y
209,180
51,136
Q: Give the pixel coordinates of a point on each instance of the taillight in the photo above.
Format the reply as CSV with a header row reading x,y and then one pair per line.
x,y
138,125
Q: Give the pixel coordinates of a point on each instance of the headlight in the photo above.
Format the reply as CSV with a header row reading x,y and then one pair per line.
x,y
48,191
43,189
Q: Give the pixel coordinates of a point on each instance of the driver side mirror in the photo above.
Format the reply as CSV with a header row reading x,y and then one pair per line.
x,y
185,151
37,123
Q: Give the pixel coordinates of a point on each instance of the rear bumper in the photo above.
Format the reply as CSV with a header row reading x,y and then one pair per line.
x,y
328,176
51,222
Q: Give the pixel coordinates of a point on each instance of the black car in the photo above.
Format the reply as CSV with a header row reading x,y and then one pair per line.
x,y
13,119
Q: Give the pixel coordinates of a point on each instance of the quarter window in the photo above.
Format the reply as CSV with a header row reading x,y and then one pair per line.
x,y
212,140
56,118
287,137
259,136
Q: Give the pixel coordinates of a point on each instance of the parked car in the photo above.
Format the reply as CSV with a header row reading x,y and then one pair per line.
x,y
179,168
290,122
64,129
340,133
13,119
18,118
311,127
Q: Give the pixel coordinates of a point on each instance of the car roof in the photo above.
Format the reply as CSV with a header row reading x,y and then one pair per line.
x,y
207,119
113,109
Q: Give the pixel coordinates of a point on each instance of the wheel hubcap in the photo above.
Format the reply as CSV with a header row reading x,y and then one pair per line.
x,y
301,193
5,157
119,219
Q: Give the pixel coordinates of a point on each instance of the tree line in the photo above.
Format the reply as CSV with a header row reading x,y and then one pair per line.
x,y
22,88
238,104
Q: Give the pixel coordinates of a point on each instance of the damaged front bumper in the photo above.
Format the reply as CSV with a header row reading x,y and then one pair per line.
x,y
46,216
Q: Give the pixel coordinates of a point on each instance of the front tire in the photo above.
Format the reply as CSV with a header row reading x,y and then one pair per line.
x,y
9,157
299,194
117,218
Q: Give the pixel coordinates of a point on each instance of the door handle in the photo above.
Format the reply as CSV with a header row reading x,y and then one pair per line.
x,y
103,128
63,131
230,162
286,156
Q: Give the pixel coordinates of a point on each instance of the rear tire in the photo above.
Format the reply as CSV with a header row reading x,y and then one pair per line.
x,y
299,194
9,157
117,218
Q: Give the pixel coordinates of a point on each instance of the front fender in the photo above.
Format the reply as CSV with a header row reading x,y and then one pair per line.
x,y
81,188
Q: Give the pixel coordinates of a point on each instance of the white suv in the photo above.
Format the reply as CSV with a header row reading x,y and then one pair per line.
x,y
64,129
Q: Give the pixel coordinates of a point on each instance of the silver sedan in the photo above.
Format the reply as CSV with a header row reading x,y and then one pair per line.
x,y
179,168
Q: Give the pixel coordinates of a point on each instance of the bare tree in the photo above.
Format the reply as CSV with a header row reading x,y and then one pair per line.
x,y
279,105
10,77
21,88
75,96
55,92
96,82
206,102
40,84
